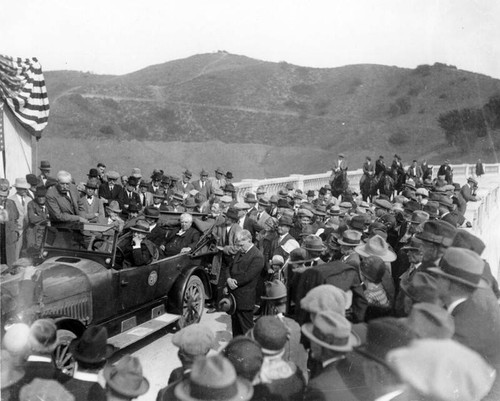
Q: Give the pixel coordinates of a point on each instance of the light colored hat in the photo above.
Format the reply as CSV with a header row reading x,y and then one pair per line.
x,y
325,297
114,206
136,172
114,175
331,330
226,199
443,370
195,339
22,183
126,377
376,246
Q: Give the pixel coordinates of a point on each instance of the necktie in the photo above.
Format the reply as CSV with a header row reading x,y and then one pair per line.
x,y
143,200
22,201
111,187
89,197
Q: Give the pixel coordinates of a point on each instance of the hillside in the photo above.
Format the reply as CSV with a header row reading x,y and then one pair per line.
x,y
221,98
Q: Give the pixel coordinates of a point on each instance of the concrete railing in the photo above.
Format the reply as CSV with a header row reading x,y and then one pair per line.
x,y
316,181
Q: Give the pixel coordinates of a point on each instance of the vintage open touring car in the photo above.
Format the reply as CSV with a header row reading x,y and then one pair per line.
x,y
80,280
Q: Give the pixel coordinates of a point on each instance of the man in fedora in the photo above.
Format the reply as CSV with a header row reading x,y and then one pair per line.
x,y
90,206
212,377
203,185
242,281
331,339
38,219
44,172
219,181
129,194
175,205
436,237
157,231
284,243
469,189
138,251
21,200
471,302
184,186
62,200
111,191
125,380
145,196
91,353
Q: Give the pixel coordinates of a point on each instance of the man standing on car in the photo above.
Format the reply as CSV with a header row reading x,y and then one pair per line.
x,y
242,281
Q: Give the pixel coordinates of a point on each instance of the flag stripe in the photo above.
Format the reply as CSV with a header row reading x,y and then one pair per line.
x,y
23,89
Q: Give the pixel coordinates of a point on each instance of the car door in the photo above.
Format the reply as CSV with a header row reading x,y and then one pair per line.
x,y
137,285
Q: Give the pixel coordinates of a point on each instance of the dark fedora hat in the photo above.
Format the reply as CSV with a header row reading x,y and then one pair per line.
x,y
314,243
461,265
285,221
92,183
250,198
229,175
32,179
350,238
44,165
464,239
228,304
93,173
421,287
151,212
232,214
92,346
264,202
141,226
271,333
438,232
40,192
383,335
132,181
373,268
126,377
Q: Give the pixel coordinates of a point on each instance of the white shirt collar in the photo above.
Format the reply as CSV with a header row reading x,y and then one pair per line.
x,y
389,396
454,304
86,376
39,358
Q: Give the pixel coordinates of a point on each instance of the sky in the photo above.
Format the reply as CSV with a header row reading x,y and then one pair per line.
x,y
122,36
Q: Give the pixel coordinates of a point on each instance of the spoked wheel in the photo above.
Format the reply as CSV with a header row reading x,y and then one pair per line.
x,y
62,356
193,302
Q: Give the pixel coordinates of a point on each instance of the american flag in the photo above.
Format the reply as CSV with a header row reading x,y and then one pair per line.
x,y
22,88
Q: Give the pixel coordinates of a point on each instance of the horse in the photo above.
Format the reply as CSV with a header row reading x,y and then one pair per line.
x,y
368,187
386,184
399,177
339,183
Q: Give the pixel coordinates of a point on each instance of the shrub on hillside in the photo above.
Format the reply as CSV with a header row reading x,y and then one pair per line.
x,y
422,70
399,138
111,103
80,101
303,89
107,130
135,129
401,106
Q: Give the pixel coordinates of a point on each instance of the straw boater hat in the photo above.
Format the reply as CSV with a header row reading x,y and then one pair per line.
x,y
331,330
114,206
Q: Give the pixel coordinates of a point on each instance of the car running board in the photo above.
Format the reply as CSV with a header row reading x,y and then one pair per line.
x,y
143,330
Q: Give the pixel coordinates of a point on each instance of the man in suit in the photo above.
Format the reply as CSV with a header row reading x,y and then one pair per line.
x,y
138,250
38,218
175,205
62,200
262,215
184,186
203,185
380,166
9,236
144,194
242,281
473,305
111,191
44,172
415,172
91,353
156,178
468,190
21,200
446,171
90,206
157,231
368,170
182,239
219,180
340,164
129,194
284,243
331,339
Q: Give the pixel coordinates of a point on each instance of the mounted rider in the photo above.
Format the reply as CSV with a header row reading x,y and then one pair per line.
x,y
368,170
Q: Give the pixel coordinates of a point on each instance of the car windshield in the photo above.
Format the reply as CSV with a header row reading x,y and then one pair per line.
x,y
81,237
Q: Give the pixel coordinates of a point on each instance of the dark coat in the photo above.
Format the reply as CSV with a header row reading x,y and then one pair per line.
x,y
158,234
38,217
140,256
339,274
127,199
251,225
341,380
174,243
85,390
206,191
9,234
466,193
246,269
111,195
61,208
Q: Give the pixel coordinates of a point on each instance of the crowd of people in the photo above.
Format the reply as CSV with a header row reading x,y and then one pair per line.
x,y
330,298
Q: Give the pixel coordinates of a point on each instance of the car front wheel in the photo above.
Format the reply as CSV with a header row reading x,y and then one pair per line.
x,y
193,301
62,356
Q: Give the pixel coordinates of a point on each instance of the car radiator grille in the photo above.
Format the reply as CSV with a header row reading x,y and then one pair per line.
x,y
77,307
